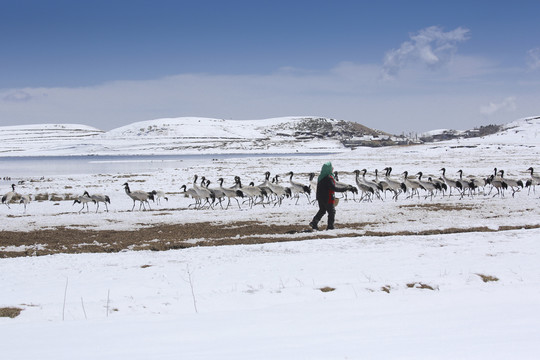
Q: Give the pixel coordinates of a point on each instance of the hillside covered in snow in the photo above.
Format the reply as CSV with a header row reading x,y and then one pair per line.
x,y
190,135
194,135
524,130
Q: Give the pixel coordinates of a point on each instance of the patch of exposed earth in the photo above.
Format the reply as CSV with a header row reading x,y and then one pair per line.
x,y
178,236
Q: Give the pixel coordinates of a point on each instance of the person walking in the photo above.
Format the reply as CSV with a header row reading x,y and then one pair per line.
x,y
326,188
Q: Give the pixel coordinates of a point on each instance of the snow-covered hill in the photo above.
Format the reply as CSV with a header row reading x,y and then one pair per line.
x,y
522,131
187,135
27,140
194,135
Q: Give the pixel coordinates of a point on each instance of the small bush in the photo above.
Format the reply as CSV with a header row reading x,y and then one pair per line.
x,y
487,278
10,312
420,286
327,289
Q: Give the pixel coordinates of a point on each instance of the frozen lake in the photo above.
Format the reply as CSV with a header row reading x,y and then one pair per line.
x,y
39,166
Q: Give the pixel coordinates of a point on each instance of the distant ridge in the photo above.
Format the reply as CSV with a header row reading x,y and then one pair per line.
x,y
192,135
525,129
196,135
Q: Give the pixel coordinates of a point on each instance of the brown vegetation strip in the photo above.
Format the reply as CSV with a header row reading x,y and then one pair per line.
x,y
439,207
162,237
178,236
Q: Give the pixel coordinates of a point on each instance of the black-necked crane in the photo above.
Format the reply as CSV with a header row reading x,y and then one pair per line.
x,y
533,181
158,195
394,185
498,183
512,183
341,185
251,191
203,192
377,187
191,192
426,185
13,196
9,196
84,200
265,185
216,192
230,193
367,191
99,198
298,188
382,184
466,184
313,185
439,183
451,183
411,184
138,195
25,200
279,190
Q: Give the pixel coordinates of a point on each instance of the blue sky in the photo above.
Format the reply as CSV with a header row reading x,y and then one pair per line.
x,y
398,66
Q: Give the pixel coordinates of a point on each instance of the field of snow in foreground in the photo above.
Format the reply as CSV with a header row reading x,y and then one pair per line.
x,y
468,295
265,302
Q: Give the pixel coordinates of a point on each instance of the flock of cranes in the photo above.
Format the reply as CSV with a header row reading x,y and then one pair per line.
x,y
272,191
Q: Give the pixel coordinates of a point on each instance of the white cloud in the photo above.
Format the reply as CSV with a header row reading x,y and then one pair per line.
x,y
533,58
420,101
508,104
431,47
17,96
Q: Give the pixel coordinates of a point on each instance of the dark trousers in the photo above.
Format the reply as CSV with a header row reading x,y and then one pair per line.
x,y
323,209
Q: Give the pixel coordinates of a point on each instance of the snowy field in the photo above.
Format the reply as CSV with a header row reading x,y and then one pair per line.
x,y
420,278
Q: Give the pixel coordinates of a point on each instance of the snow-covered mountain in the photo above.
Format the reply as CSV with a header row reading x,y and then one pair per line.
x,y
194,135
189,135
526,130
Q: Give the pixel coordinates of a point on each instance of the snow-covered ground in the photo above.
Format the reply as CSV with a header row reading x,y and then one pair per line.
x,y
409,283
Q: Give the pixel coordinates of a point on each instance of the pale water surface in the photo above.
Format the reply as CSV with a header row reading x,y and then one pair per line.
x,y
40,166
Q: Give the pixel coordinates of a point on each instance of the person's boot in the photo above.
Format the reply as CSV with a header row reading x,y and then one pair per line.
x,y
314,225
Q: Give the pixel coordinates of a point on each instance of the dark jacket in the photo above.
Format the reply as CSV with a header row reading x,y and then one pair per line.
x,y
326,189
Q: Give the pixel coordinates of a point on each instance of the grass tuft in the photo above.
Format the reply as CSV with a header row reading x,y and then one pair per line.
x,y
488,278
327,289
10,312
420,286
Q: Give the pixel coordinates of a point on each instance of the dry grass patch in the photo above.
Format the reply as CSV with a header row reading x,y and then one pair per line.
x,y
417,285
488,278
386,289
10,312
439,207
327,289
55,197
41,197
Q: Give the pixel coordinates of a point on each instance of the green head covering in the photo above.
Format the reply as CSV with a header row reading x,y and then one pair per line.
x,y
326,170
